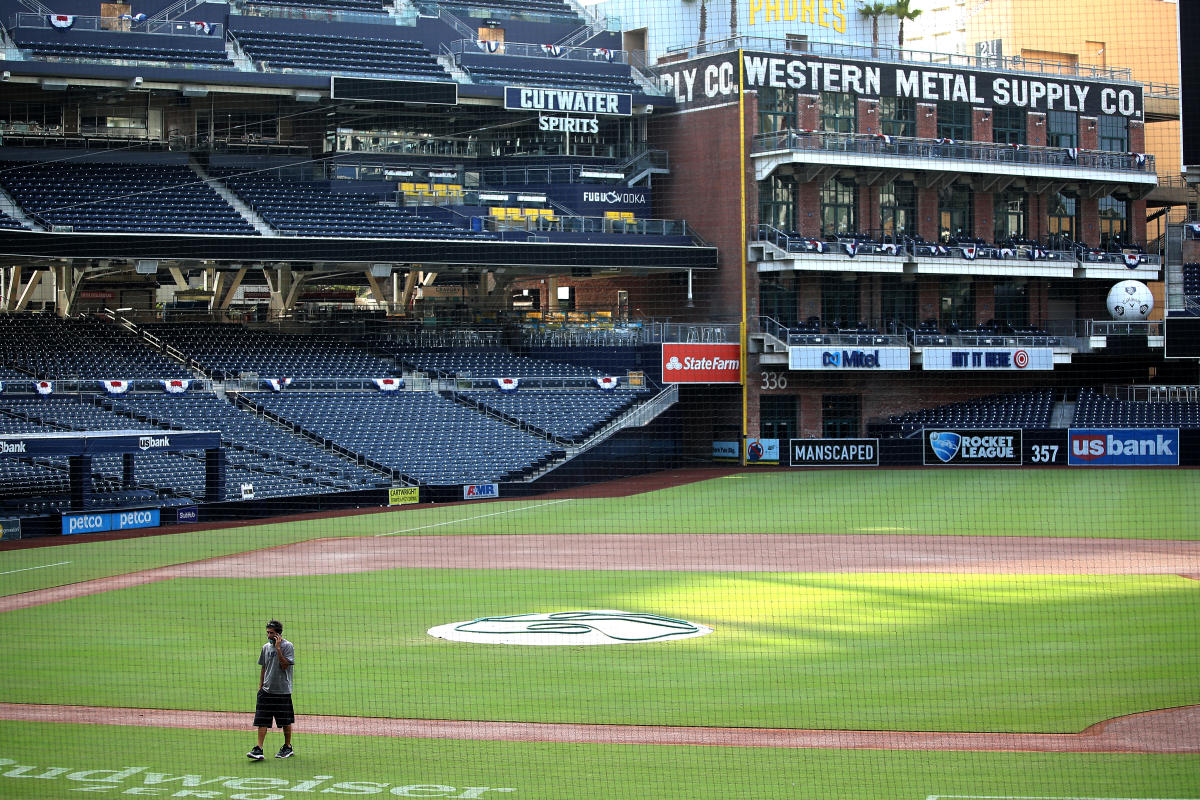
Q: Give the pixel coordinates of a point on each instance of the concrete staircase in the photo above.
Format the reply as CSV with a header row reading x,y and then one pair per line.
x,y
10,207
1062,414
248,213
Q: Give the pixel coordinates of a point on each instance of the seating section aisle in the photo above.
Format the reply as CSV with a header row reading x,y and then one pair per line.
x,y
1027,409
134,198
421,434
572,415
309,208
314,52
228,350
484,363
47,347
1096,410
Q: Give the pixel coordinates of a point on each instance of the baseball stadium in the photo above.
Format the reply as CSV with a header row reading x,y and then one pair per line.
x,y
694,400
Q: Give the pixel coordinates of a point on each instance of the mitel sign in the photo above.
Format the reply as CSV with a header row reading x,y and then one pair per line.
x,y
701,363
980,448
840,359
1123,447
834,452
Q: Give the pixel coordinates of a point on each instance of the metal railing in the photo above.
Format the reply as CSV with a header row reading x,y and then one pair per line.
x,y
153,27
882,52
252,9
1019,156
460,47
1104,327
1157,89
1187,393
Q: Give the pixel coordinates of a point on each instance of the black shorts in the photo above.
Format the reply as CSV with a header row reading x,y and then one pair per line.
x,y
277,707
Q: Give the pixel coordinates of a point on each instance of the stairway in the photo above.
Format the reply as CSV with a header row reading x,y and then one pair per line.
x,y
10,207
248,213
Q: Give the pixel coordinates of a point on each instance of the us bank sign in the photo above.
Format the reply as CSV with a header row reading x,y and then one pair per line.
x,y
848,358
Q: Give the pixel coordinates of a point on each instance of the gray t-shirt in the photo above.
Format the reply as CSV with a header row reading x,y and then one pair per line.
x,y
276,679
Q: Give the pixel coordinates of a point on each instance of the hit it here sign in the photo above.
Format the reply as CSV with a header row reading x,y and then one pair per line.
x,y
701,363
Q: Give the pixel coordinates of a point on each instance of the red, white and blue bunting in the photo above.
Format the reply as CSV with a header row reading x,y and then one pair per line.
x,y
63,21
552,50
134,17
851,248
603,52
389,384
507,384
1194,228
945,141
44,387
1036,254
201,27
116,387
1007,252
488,46
816,245
608,383
970,251
175,385
1132,260
1139,158
886,139
889,248
1072,153
279,384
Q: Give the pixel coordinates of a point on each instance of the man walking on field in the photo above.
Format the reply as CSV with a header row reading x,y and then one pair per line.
x,y
274,691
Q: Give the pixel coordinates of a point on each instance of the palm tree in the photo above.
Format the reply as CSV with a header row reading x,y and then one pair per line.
x,y
703,25
901,11
733,9
873,11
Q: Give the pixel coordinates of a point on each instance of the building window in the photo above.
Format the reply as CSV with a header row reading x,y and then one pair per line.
x,y
1009,210
1062,129
898,209
957,303
899,301
1114,133
1114,222
955,212
839,302
1008,125
1060,217
840,415
1012,303
954,121
776,110
777,416
839,112
838,207
897,116
777,202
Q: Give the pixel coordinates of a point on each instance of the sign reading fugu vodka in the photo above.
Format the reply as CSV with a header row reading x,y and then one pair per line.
x,y
560,101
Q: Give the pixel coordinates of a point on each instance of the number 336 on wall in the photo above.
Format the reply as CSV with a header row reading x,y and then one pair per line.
x,y
774,380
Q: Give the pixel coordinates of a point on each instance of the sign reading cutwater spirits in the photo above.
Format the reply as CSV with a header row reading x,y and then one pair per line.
x,y
714,80
561,101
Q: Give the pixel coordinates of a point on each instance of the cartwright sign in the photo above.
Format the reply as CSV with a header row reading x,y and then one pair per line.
x,y
714,80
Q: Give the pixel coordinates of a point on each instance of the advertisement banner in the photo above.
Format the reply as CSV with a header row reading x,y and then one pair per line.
x,y
981,447
726,451
187,514
1028,359
10,528
577,101
404,495
701,363
834,453
1123,447
142,518
848,358
110,521
481,491
762,451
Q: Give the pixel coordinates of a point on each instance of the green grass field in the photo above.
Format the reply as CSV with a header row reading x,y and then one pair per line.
x,y
879,651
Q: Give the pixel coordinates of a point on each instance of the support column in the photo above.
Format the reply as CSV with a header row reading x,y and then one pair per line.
x,y
66,288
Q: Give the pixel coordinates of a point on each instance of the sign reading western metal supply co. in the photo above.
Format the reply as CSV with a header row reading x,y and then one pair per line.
x,y
848,358
1029,359
567,101
711,81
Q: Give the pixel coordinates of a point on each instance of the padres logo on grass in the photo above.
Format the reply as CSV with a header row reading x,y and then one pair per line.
x,y
571,628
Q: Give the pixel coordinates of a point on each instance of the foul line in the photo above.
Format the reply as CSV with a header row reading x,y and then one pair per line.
x,y
468,519
42,566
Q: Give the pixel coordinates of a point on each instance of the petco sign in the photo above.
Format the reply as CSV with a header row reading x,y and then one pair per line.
x,y
114,521
1124,447
977,358
701,363
824,358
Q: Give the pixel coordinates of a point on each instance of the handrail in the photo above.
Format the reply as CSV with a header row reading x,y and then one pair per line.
x,y
150,26
948,149
530,50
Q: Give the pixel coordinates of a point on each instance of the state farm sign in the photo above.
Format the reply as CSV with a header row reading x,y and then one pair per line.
x,y
701,363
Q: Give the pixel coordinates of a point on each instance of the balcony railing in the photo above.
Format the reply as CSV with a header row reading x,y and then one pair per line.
x,y
592,55
154,27
882,52
871,144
